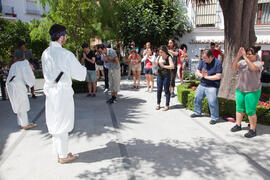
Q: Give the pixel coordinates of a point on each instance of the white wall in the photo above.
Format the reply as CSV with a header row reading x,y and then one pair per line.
x,y
20,10
200,38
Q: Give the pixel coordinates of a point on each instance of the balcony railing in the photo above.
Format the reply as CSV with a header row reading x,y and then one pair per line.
x,y
33,8
206,14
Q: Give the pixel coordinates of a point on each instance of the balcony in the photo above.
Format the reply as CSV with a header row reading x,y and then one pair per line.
x,y
33,8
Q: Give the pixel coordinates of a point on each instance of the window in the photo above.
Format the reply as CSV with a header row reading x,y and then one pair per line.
x,y
0,6
263,14
206,14
32,7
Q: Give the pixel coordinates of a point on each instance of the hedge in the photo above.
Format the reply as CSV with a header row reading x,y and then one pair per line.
x,y
38,74
79,86
227,107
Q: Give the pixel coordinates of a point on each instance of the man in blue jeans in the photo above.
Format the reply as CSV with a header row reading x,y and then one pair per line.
x,y
209,70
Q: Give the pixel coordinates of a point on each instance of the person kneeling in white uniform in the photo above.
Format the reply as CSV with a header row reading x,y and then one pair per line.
x,y
58,90
20,75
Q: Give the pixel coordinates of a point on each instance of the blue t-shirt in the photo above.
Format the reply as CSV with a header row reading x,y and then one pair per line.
x,y
215,67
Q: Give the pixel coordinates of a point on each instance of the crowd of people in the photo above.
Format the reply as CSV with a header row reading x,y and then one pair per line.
x,y
167,62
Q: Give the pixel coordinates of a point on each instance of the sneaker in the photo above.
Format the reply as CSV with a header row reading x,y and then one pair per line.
x,y
212,122
106,90
109,101
250,134
88,95
172,95
93,95
147,90
112,101
236,128
195,115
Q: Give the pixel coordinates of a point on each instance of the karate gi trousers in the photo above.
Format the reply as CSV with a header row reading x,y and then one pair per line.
x,y
60,144
22,119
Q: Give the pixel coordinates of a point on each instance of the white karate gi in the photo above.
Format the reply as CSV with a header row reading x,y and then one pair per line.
x,y
17,90
59,96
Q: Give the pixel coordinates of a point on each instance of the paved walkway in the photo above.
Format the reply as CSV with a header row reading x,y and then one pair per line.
x,y
131,140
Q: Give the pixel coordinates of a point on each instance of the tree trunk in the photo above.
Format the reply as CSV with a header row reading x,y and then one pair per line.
x,y
239,19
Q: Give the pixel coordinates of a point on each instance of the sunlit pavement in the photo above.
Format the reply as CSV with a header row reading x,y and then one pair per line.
x,y
131,140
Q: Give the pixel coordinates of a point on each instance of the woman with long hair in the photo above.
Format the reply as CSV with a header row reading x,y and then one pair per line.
x,y
174,52
165,64
149,59
182,61
135,63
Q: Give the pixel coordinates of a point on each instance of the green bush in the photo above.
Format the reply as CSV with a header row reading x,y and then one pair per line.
x,y
190,103
205,106
227,107
79,86
266,90
189,76
38,74
263,115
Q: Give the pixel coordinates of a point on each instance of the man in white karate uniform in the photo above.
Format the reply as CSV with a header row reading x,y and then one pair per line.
x,y
20,75
56,60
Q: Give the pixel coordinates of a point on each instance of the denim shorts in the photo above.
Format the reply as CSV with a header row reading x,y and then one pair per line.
x,y
91,76
148,71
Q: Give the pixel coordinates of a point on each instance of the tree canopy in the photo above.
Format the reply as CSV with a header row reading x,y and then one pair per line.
x,y
125,20
10,33
155,21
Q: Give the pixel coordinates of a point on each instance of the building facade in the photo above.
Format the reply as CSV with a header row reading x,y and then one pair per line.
x,y
24,10
207,21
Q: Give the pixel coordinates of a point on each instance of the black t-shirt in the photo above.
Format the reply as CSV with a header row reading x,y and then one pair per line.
x,y
174,58
163,71
89,65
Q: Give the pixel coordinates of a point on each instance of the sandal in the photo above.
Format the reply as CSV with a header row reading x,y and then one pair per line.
x,y
29,126
70,157
158,107
166,108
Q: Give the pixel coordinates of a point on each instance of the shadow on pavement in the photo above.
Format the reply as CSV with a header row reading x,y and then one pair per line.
x,y
8,119
170,158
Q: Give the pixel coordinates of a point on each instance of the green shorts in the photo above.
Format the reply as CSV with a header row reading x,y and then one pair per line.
x,y
247,101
